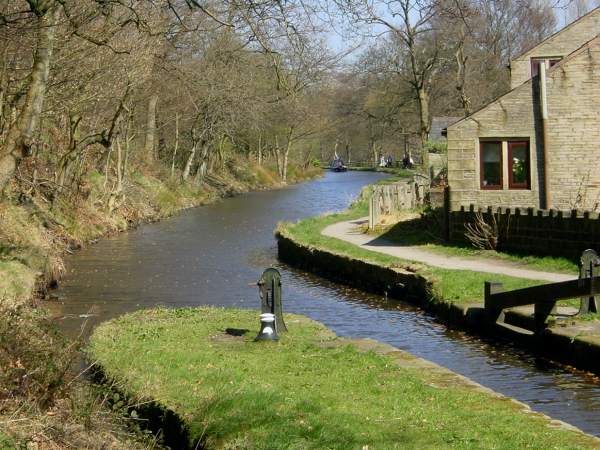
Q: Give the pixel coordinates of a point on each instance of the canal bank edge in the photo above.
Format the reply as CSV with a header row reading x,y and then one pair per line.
x,y
407,284
33,238
35,235
311,340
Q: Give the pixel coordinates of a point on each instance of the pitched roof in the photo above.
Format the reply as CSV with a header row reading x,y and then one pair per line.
x,y
439,124
592,42
559,32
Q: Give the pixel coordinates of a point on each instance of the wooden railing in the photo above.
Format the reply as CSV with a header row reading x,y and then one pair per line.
x,y
543,297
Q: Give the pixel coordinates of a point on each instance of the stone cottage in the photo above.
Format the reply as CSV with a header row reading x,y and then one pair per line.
x,y
539,144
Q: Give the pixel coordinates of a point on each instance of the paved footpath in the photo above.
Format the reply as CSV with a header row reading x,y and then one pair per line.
x,y
350,232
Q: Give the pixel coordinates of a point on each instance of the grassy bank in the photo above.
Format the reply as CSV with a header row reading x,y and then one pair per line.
x,y
309,390
41,401
447,285
36,232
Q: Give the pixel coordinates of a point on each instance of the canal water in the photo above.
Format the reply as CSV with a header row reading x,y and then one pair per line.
x,y
214,255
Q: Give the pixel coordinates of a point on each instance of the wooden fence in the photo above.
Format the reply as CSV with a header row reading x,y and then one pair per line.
x,y
534,231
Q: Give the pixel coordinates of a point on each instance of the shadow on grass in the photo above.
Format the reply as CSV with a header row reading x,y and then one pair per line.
x,y
418,231
427,231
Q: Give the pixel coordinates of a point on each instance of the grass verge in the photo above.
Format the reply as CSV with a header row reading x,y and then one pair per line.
x,y
42,403
309,390
423,232
449,285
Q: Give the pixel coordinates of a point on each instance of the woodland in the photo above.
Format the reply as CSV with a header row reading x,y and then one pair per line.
x,y
105,87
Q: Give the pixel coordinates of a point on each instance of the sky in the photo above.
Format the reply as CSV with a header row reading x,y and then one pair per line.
x,y
340,40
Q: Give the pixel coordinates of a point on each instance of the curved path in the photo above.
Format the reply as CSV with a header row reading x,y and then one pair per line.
x,y
349,231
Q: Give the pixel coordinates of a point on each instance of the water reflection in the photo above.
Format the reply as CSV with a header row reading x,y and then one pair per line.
x,y
214,255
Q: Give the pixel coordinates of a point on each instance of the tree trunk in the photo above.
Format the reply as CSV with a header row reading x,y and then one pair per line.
x,y
126,158
221,152
203,166
189,162
176,146
461,69
19,137
119,187
260,149
151,129
424,115
3,88
107,165
288,147
425,125
278,158
375,152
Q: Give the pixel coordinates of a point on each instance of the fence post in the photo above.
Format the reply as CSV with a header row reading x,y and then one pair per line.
x,y
446,214
541,311
371,212
492,312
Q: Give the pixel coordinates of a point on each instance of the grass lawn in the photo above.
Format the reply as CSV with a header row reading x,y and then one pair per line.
x,y
307,391
451,285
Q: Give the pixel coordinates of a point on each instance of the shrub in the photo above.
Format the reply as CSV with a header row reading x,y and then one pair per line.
x,y
436,147
34,357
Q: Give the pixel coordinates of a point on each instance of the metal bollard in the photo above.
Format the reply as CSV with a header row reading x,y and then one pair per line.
x,y
267,328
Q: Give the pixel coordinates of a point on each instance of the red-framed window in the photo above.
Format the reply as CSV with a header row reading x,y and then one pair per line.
x,y
518,165
490,164
535,64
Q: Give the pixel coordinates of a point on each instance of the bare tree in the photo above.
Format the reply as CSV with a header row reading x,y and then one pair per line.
x,y
20,133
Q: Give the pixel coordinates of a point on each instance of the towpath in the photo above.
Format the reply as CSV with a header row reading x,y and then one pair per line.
x,y
349,231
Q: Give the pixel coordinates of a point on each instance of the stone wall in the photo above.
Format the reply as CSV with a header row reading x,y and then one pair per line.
x,y
390,199
573,139
532,231
560,44
394,282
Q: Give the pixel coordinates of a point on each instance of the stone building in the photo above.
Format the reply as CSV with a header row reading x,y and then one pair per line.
x,y
438,125
539,144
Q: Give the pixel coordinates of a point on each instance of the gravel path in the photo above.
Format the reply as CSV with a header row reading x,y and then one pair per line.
x,y
349,232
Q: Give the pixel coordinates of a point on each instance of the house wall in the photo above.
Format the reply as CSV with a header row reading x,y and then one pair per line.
x,y
559,45
573,139
510,117
574,131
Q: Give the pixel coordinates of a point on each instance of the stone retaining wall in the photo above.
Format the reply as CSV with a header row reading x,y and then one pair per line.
x,y
390,282
557,344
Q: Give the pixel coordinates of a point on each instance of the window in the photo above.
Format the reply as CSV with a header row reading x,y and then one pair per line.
x,y
535,64
491,165
518,165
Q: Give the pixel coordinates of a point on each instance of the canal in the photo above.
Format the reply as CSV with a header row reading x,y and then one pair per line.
x,y
213,256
